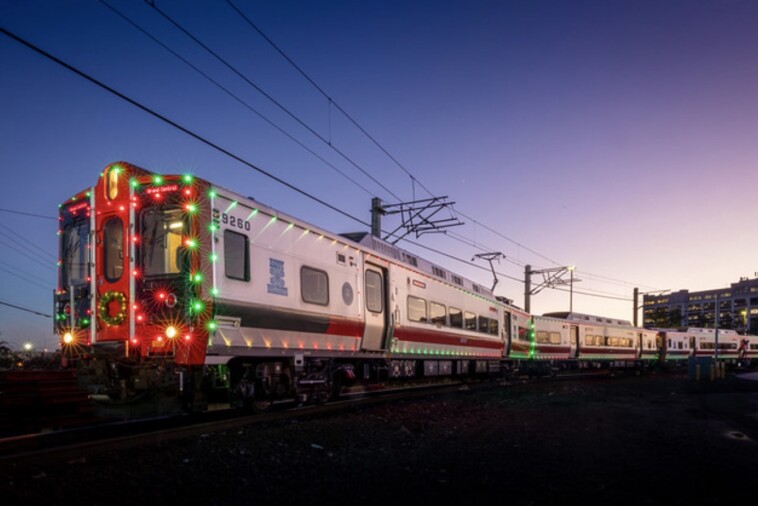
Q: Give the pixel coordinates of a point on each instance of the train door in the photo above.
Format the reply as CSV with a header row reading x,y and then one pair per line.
x,y
112,256
574,333
377,329
507,333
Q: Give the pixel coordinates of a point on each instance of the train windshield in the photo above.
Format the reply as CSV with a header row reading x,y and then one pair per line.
x,y
162,231
74,253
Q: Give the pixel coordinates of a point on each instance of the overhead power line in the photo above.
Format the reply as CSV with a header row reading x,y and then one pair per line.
x,y
234,96
211,144
176,125
414,179
328,97
29,214
25,309
39,249
222,150
269,97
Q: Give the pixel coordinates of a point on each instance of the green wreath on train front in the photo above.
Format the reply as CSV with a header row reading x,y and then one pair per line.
x,y
103,310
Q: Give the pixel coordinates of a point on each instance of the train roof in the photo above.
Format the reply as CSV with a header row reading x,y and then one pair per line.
x,y
374,243
566,315
369,242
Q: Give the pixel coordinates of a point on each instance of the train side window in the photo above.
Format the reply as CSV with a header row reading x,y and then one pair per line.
x,y
416,309
507,324
113,254
542,337
314,286
470,321
236,256
523,334
493,326
374,292
555,338
438,313
456,318
484,324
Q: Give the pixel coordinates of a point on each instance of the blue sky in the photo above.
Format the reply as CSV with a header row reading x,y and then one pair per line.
x,y
617,136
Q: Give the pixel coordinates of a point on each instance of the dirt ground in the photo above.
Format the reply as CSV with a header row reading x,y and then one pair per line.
x,y
654,439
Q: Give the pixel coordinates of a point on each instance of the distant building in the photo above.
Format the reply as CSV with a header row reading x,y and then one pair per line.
x,y
738,308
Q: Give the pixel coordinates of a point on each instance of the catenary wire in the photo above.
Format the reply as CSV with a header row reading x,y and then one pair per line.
x,y
25,309
383,149
31,282
27,241
326,95
176,125
270,98
215,146
28,214
232,95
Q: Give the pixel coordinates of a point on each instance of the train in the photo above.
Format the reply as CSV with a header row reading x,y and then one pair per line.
x,y
169,283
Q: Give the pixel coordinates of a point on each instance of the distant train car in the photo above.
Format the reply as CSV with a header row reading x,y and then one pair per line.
x,y
602,341
680,344
552,339
650,343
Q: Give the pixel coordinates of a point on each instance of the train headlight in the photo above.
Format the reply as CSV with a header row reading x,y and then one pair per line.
x,y
68,338
171,332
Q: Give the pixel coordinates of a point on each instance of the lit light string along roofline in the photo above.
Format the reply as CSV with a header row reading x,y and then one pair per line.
x,y
271,98
414,179
235,97
209,143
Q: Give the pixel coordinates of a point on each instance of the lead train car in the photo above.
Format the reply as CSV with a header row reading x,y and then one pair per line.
x,y
168,282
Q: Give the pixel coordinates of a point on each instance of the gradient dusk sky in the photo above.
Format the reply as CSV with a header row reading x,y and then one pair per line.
x,y
616,136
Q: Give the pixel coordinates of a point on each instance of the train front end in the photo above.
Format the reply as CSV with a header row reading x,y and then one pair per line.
x,y
133,308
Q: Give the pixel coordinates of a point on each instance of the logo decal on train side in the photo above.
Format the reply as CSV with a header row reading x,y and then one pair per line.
x,y
347,293
276,283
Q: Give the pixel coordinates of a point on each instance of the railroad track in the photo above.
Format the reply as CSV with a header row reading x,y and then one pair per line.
x,y
79,443
82,442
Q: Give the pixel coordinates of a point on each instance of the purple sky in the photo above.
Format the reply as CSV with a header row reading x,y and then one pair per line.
x,y
617,136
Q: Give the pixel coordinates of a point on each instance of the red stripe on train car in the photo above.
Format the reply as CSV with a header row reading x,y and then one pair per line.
x,y
345,327
546,348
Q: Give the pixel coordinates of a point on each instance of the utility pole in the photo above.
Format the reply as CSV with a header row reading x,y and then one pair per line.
x,y
376,217
527,288
635,302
